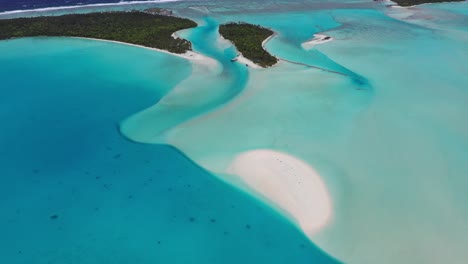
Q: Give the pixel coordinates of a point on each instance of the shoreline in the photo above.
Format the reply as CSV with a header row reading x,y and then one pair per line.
x,y
396,5
189,55
264,42
133,27
239,57
58,8
251,64
286,183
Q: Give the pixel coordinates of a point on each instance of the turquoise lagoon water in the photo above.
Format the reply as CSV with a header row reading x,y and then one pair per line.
x,y
73,190
205,90
393,155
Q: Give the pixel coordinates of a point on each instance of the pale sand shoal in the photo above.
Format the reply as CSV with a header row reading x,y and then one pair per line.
x,y
316,40
288,183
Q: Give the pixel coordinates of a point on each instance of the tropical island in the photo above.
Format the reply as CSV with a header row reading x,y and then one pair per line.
x,y
249,40
418,2
150,29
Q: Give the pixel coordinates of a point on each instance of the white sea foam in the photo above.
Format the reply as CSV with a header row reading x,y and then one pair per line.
x,y
57,8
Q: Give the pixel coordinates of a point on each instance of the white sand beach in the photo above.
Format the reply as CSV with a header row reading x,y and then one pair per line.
x,y
195,57
289,183
241,59
268,39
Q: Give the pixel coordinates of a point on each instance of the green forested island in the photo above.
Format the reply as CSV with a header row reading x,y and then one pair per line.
x,y
418,2
141,28
248,39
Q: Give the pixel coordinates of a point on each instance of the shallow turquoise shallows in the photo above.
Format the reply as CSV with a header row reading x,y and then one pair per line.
x,y
379,112
73,190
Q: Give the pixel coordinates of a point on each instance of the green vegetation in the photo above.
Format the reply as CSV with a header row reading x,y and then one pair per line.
x,y
418,2
149,30
248,40
158,11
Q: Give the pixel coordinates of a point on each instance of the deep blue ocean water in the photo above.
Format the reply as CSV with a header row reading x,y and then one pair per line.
x,y
73,190
8,5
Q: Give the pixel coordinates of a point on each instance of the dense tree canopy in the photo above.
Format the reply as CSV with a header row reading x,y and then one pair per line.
x,y
150,30
248,39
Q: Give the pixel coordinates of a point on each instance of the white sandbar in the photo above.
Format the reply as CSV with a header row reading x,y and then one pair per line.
x,y
316,40
287,182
